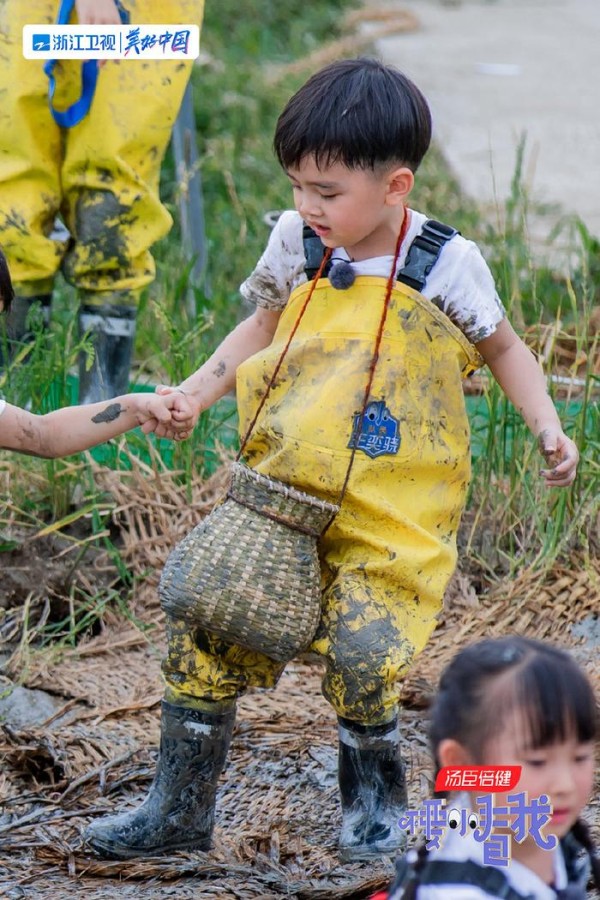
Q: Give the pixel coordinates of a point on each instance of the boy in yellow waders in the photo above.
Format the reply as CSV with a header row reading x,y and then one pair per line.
x,y
350,142
101,175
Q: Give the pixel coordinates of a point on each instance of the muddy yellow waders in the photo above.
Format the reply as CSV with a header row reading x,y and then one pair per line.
x,y
390,551
386,556
102,175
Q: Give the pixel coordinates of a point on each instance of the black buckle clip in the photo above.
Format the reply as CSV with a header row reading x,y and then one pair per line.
x,y
440,231
424,252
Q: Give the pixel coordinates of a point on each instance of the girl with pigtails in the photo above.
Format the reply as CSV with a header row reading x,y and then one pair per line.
x,y
512,701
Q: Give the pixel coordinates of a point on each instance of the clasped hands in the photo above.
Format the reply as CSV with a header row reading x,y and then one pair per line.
x,y
169,414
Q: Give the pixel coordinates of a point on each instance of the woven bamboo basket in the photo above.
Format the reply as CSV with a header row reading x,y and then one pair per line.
x,y
249,572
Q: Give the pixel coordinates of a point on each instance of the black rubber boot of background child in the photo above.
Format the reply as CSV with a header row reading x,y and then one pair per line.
x,y
110,333
18,328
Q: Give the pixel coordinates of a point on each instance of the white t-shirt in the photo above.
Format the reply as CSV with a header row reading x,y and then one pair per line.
x,y
2,405
460,283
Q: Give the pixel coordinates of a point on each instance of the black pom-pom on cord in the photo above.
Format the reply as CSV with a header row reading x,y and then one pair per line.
x,y
342,276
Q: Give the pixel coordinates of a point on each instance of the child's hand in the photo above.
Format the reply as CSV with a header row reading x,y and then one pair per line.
x,y
169,416
561,454
182,416
192,409
97,12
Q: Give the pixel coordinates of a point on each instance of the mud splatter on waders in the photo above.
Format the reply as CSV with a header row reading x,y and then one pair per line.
x,y
101,176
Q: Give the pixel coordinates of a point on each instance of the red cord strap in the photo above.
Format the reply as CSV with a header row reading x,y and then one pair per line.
x,y
324,262
371,375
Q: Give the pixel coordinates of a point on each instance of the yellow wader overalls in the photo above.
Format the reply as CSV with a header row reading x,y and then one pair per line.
x,y
391,550
102,175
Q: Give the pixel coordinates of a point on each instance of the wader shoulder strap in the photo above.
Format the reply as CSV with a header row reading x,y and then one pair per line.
x,y
420,259
423,253
451,872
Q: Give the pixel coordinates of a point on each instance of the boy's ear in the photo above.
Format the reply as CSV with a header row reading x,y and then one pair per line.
x,y
452,753
400,184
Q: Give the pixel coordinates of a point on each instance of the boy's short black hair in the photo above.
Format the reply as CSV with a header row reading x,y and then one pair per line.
x,y
6,288
359,112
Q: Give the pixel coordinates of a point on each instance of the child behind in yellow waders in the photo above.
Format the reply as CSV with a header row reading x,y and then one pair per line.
x,y
101,175
408,307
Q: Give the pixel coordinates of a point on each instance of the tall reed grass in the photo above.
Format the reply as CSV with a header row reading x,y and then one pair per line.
x,y
556,309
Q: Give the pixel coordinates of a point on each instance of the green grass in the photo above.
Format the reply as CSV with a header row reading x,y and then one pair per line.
x,y
532,524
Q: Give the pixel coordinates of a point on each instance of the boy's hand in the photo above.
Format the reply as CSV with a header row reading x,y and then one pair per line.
x,y
182,416
170,416
561,454
192,407
97,12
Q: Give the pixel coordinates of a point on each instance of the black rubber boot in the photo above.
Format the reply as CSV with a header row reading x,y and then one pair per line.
x,y
373,790
18,329
179,811
111,332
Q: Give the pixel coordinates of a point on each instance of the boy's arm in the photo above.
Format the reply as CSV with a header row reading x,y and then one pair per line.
x,y
216,377
515,369
76,428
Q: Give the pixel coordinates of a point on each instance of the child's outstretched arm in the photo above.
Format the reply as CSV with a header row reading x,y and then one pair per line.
x,y
515,369
216,377
76,428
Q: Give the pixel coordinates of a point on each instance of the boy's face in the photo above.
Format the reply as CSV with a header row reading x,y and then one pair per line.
x,y
358,209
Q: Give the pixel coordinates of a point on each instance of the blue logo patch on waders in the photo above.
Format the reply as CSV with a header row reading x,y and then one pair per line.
x,y
376,432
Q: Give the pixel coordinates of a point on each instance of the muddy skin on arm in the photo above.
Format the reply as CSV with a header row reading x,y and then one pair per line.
x,y
220,370
29,437
30,441
112,412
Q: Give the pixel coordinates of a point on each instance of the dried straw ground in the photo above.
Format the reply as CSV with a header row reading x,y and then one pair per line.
x,y
278,814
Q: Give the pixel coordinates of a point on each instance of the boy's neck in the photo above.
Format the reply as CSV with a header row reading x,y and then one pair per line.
x,y
381,242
